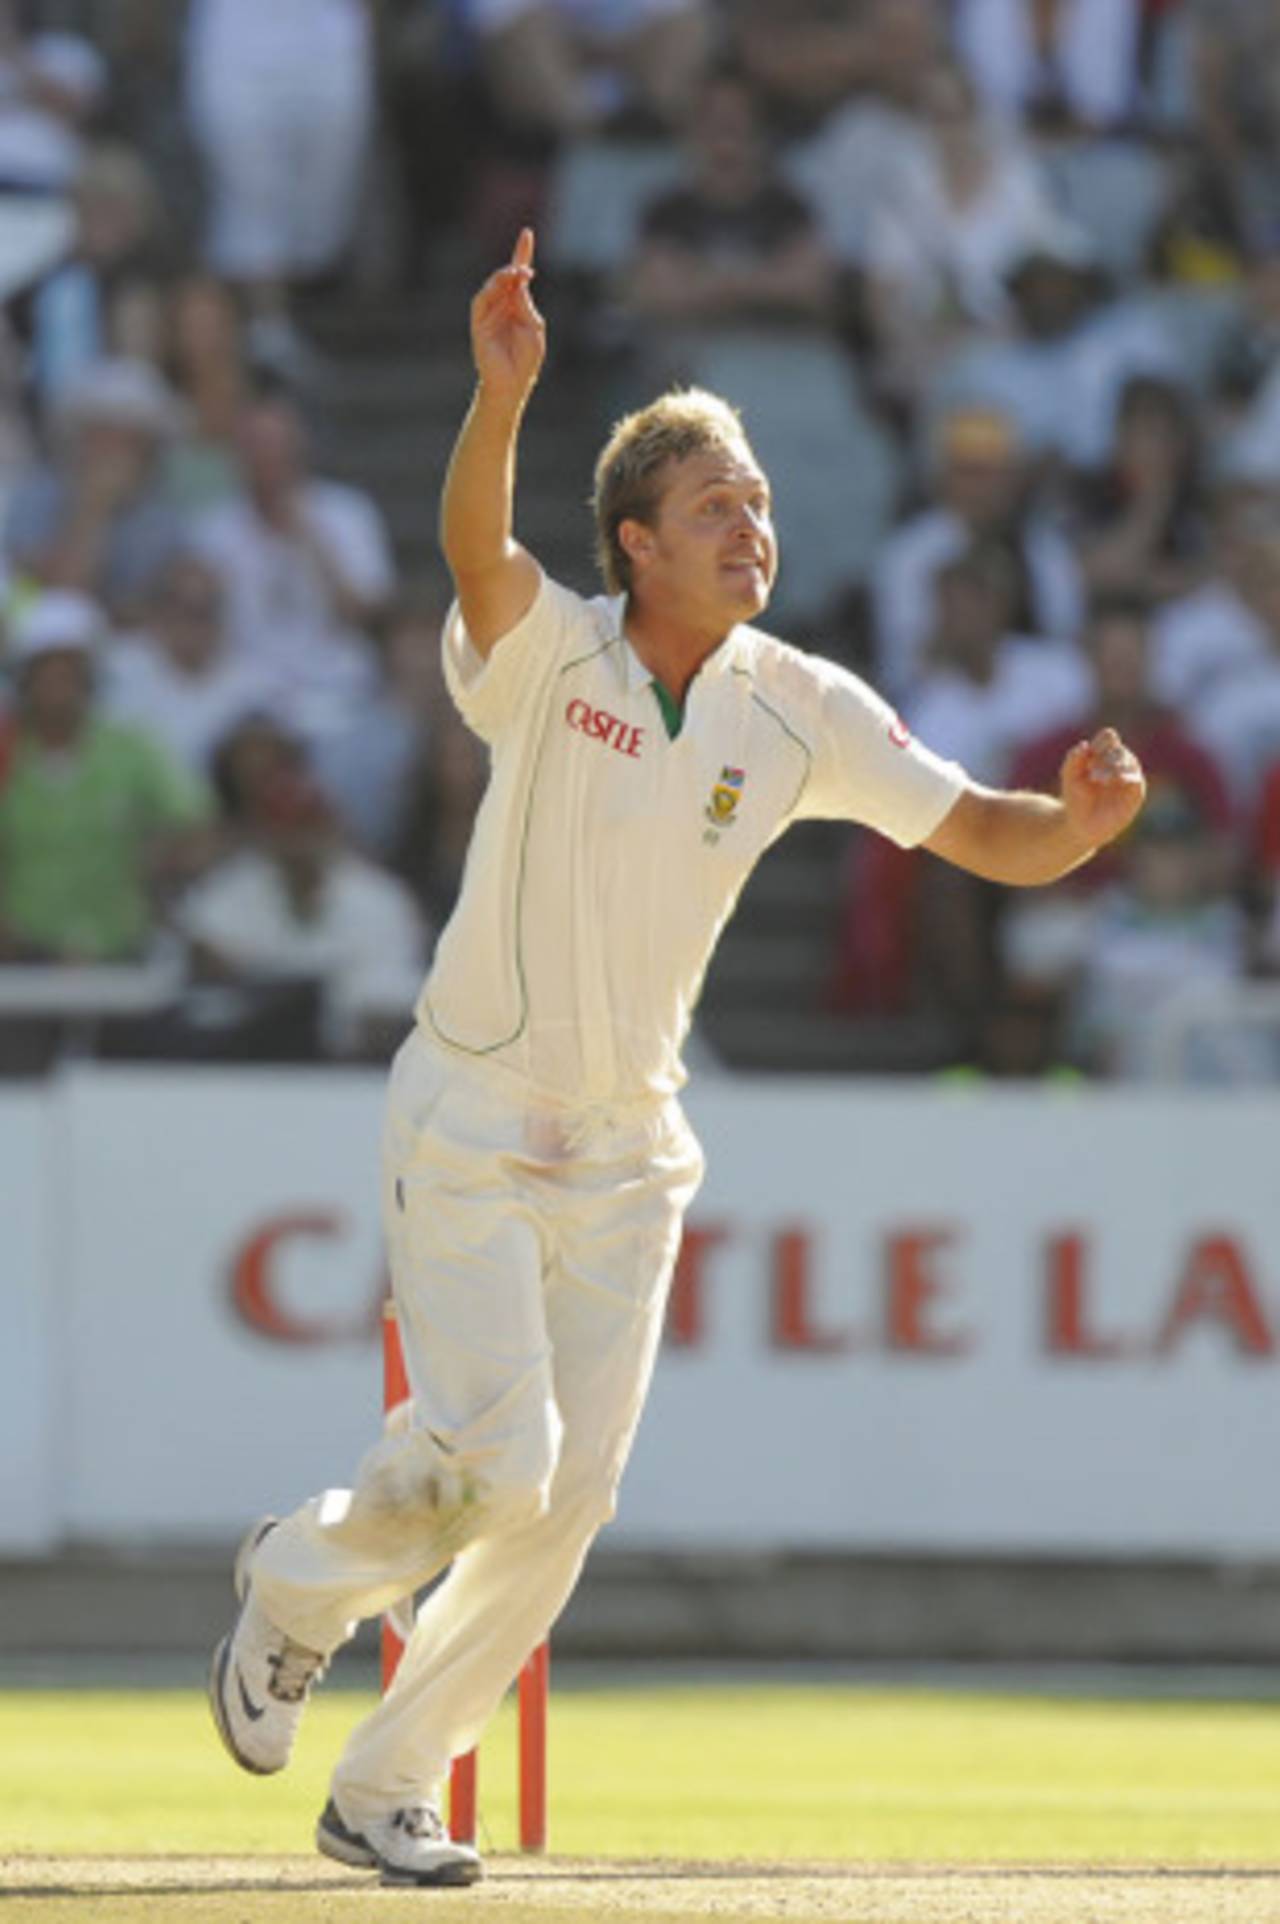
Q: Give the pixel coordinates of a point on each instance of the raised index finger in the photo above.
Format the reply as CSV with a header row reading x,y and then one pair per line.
x,y
522,253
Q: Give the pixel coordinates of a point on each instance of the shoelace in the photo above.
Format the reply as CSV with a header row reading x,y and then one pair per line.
x,y
294,1669
420,1821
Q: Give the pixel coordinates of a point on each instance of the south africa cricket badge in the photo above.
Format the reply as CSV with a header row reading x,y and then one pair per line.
x,y
721,810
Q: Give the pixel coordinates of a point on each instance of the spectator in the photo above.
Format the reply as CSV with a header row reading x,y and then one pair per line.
x,y
1062,374
177,676
1247,360
557,72
280,98
207,366
445,774
1205,637
107,299
985,691
294,904
804,61
1118,643
306,569
1166,927
93,815
873,60
251,758
1238,718
983,492
730,288
51,85
96,519
437,120
1237,66
559,69
1143,528
1250,342
373,769
1044,942
942,239
915,936
734,245
1055,62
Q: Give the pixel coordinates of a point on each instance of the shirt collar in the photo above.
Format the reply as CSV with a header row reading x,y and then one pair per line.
x,y
636,675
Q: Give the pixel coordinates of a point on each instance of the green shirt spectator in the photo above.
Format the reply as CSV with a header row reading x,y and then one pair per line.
x,y
87,806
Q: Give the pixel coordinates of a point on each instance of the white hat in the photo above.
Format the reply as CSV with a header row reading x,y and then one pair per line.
x,y
56,620
68,61
127,392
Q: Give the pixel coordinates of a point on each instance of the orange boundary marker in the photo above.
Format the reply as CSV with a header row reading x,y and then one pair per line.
x,y
533,1688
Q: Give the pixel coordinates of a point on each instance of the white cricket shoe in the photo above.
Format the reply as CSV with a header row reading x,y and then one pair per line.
x,y
408,1846
260,1679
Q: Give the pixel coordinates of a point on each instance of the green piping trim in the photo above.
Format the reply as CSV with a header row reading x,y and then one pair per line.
x,y
787,729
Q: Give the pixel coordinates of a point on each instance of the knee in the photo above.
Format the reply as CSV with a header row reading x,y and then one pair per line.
x,y
513,1483
409,1484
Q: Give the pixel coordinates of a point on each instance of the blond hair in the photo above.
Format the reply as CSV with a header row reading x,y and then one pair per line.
x,y
629,471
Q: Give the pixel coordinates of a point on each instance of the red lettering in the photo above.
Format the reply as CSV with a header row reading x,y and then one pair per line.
x,y
1067,1330
599,725
912,1289
686,1309
1216,1287
791,1322
252,1283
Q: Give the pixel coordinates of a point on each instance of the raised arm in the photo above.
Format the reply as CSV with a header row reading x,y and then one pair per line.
x,y
495,578
1024,839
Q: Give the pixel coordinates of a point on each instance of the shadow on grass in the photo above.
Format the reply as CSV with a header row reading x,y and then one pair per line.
x,y
548,1874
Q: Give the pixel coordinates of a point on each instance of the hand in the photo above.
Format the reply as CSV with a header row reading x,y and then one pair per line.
x,y
1103,787
508,335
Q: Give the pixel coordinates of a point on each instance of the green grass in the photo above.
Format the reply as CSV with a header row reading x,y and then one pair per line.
x,y
704,1770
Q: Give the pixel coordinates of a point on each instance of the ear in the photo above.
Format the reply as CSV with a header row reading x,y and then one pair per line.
x,y
636,541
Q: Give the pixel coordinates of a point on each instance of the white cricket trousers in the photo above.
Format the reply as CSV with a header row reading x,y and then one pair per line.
x,y
531,1249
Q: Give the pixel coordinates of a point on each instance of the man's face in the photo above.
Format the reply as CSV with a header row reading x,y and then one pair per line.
x,y
56,693
271,447
187,619
983,486
1119,647
710,555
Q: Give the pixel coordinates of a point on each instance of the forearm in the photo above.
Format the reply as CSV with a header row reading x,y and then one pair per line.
x,y
477,506
1014,837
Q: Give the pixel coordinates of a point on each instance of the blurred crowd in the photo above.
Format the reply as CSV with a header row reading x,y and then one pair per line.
x,y
996,285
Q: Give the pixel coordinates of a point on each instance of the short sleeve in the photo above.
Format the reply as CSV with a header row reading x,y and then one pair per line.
x,y
867,766
490,694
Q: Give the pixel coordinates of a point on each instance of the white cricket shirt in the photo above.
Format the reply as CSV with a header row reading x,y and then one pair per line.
x,y
606,857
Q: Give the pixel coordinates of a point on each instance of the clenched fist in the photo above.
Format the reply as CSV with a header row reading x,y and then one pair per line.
x,y
1103,787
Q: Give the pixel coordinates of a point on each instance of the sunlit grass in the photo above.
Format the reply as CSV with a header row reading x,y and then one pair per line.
x,y
704,1770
